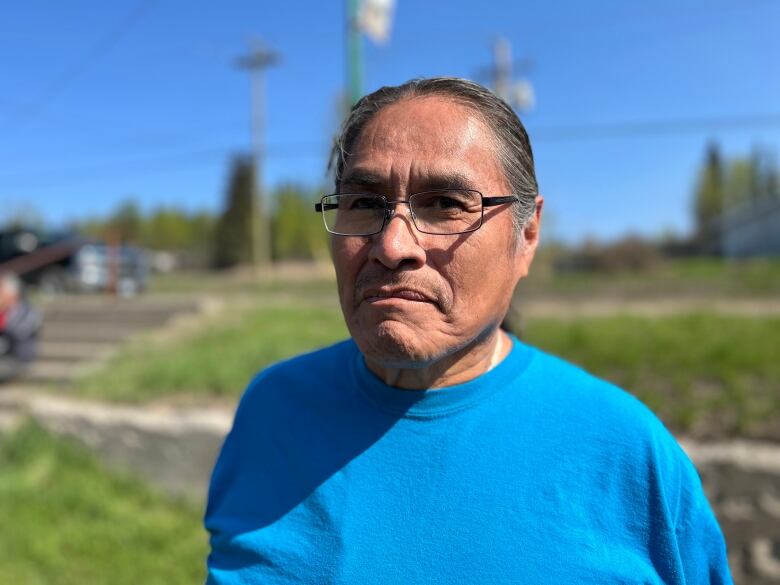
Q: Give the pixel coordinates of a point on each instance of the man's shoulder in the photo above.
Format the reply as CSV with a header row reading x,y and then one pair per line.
x,y
600,418
588,397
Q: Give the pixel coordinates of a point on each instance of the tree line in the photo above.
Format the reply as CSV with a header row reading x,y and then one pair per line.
x,y
224,239
725,185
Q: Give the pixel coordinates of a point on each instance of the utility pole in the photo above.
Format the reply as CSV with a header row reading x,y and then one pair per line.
x,y
372,18
256,61
354,52
518,94
502,68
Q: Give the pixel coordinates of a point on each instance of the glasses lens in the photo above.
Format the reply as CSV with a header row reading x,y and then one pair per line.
x,y
452,211
353,214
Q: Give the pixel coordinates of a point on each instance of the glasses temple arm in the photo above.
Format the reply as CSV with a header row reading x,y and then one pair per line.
x,y
319,207
491,201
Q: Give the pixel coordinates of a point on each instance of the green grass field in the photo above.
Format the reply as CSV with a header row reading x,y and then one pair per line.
x,y
704,373
218,361
67,521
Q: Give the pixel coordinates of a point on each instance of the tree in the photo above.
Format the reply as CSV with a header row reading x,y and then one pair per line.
x,y
772,183
708,200
126,222
298,231
723,187
172,229
766,182
740,185
22,215
233,235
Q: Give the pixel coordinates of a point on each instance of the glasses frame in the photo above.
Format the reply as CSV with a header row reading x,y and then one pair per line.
x,y
389,210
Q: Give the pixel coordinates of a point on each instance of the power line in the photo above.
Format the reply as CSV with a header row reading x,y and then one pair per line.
x,y
643,128
147,165
103,45
129,163
297,150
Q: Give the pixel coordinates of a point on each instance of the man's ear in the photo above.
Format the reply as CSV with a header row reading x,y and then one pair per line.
x,y
529,240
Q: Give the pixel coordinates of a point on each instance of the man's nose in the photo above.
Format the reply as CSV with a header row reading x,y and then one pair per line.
x,y
399,242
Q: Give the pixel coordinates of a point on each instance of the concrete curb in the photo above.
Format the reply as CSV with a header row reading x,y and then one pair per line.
x,y
130,434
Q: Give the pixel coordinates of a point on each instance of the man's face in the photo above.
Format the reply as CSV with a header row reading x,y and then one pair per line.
x,y
411,298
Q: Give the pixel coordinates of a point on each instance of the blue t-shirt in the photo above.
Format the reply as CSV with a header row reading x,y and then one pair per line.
x,y
534,472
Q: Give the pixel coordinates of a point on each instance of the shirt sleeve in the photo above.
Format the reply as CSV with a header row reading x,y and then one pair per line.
x,y
701,545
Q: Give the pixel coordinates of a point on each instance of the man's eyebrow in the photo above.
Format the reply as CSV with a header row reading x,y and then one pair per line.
x,y
434,180
446,180
363,179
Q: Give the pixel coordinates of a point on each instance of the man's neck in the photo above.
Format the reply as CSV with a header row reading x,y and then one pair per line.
x,y
461,366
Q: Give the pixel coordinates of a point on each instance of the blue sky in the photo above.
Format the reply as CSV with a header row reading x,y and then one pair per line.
x,y
104,101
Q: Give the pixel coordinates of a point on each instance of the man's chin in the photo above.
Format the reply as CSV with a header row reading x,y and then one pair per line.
x,y
396,344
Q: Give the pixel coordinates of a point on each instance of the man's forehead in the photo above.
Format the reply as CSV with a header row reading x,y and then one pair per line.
x,y
432,141
425,121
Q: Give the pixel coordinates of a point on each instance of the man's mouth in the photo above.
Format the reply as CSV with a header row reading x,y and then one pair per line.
x,y
387,294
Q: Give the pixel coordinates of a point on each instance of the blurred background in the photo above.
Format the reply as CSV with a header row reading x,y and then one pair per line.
x,y
159,162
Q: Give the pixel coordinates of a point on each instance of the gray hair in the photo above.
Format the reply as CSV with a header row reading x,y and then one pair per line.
x,y
513,149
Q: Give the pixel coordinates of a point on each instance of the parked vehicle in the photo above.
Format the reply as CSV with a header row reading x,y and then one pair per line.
x,y
66,262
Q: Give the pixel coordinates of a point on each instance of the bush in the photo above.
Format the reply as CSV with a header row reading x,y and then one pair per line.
x,y
629,254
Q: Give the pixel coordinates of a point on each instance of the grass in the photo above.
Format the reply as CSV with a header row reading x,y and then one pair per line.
x,y
68,521
218,361
702,373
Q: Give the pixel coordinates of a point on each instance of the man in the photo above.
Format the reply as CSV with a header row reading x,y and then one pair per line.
x,y
19,328
432,447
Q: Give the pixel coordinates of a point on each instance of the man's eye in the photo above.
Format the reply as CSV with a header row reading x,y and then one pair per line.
x,y
365,203
449,203
441,202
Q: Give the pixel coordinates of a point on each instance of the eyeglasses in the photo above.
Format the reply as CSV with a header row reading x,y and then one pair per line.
x,y
441,211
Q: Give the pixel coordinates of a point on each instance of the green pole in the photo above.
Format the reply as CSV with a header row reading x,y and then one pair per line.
x,y
354,53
